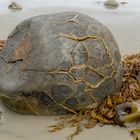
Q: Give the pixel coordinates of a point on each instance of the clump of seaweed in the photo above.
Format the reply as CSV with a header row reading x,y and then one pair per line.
x,y
1,44
105,113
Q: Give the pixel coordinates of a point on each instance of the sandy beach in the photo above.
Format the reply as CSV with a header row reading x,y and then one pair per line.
x,y
124,24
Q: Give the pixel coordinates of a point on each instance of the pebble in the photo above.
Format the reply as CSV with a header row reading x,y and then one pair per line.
x,y
15,6
111,3
1,117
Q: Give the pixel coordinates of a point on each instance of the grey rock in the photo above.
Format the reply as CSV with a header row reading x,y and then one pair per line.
x,y
59,63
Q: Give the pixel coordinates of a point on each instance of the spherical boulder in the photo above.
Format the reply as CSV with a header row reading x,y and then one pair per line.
x,y
58,64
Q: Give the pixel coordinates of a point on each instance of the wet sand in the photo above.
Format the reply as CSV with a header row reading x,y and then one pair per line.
x,y
124,24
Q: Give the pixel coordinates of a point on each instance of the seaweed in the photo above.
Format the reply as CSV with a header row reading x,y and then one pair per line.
x,y
1,44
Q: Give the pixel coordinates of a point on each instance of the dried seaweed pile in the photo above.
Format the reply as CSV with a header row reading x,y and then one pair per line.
x,y
105,112
1,44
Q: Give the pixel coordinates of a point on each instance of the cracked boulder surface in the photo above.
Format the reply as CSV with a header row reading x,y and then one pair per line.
x,y
58,64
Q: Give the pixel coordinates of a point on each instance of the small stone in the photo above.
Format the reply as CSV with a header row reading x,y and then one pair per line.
x,y
15,6
111,3
1,117
124,2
